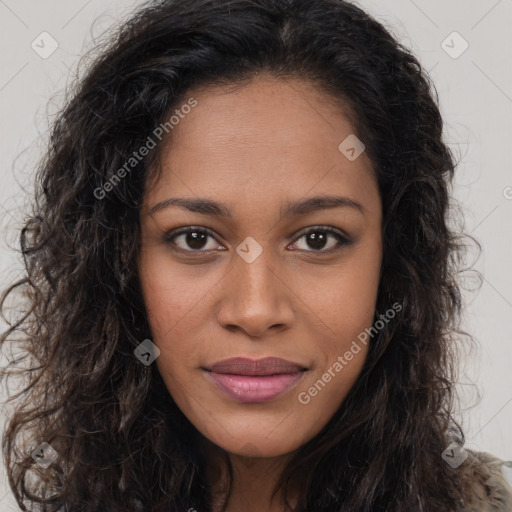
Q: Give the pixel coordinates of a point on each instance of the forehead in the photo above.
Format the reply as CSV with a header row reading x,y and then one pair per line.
x,y
260,141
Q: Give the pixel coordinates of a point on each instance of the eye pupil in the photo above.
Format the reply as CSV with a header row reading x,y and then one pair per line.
x,y
317,239
196,239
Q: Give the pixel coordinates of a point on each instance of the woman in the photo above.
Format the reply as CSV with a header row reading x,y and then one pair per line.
x,y
240,277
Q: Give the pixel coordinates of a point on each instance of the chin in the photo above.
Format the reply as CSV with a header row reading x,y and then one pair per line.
x,y
251,439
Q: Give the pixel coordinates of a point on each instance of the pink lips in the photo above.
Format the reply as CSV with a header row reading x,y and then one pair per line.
x,y
253,381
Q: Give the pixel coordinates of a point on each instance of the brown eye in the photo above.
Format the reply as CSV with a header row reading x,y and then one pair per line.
x,y
195,240
317,239
192,239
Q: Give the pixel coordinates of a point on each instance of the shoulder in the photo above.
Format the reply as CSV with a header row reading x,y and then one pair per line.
x,y
491,480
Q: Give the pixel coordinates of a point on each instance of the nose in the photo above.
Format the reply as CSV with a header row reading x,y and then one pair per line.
x,y
256,297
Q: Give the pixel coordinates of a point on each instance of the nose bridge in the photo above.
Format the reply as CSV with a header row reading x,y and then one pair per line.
x,y
254,271
254,298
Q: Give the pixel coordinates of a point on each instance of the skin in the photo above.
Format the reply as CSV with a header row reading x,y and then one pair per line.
x,y
254,148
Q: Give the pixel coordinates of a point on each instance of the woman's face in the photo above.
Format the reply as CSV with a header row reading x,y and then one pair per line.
x,y
256,279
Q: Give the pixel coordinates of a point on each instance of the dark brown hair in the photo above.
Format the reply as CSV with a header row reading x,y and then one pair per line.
x,y
122,443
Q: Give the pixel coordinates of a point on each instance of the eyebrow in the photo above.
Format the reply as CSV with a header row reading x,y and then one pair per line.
x,y
294,208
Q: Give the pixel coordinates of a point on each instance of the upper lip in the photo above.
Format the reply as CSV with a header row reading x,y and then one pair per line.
x,y
265,366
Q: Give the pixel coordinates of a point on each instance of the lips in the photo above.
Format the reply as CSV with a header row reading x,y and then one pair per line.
x,y
266,366
252,381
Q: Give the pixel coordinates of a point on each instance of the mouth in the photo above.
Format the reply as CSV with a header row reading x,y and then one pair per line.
x,y
254,381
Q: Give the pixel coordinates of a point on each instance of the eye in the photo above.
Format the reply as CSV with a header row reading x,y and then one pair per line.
x,y
193,239
318,239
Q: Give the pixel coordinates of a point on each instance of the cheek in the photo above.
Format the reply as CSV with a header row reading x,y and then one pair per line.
x,y
345,307
172,317
176,299
171,293
343,301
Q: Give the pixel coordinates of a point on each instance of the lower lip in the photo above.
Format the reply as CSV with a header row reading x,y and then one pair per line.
x,y
252,388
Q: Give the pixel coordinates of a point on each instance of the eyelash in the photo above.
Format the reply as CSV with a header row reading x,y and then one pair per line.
x,y
342,240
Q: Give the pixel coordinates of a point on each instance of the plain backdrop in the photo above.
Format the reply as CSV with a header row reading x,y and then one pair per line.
x,y
465,46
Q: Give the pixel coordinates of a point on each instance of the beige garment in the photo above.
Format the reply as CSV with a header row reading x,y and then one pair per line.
x,y
493,492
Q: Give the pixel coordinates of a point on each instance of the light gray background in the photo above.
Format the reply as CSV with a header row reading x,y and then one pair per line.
x,y
475,92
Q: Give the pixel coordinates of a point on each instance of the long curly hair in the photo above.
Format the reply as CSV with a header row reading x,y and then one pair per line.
x,y
122,444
